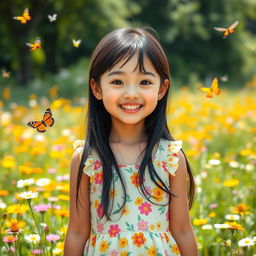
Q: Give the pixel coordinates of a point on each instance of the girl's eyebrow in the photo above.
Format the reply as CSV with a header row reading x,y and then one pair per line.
x,y
122,73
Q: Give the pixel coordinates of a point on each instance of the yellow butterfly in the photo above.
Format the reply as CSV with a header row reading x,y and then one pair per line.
x,y
229,30
35,45
25,16
211,90
76,43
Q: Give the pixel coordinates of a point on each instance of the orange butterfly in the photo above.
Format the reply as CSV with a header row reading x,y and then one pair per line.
x,y
229,30
211,90
35,45
25,16
41,126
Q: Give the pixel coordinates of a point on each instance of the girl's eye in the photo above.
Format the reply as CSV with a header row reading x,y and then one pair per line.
x,y
145,82
116,82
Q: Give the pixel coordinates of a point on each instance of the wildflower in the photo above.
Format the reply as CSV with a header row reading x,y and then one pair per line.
x,y
25,183
231,183
207,227
43,182
214,162
8,162
33,238
52,237
248,241
28,194
37,252
9,239
17,208
42,207
200,222
241,209
222,226
232,217
234,225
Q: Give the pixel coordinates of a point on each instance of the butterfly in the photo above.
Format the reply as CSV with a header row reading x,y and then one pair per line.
x,y
25,16
76,43
41,126
52,17
229,30
211,90
5,74
35,45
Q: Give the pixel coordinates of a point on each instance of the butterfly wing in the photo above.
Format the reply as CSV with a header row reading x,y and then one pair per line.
x,y
48,119
214,86
220,29
21,19
26,15
233,25
226,33
37,125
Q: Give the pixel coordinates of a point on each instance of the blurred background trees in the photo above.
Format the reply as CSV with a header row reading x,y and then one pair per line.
x,y
184,27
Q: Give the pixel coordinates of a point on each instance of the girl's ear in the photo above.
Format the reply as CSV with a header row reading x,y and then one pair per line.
x,y
96,89
163,88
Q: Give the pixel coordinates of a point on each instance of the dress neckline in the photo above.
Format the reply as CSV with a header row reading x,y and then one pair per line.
x,y
134,165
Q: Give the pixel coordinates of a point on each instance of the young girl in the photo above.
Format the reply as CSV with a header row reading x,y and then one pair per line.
x,y
129,192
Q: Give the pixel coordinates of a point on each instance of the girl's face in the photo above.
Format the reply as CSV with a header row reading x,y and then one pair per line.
x,y
127,85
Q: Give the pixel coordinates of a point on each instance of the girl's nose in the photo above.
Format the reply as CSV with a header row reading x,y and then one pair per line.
x,y
131,91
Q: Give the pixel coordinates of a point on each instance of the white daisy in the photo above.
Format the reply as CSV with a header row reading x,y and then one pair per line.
x,y
34,238
232,217
221,226
214,162
43,182
25,183
28,194
248,241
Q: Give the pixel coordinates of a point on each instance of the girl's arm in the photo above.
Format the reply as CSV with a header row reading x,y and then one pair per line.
x,y
79,225
180,224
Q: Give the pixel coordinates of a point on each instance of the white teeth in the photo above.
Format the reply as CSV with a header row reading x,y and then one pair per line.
x,y
130,107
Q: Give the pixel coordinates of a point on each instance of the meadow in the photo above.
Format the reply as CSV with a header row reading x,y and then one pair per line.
x,y
219,138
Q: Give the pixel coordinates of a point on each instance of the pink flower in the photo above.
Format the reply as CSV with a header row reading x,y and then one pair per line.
x,y
148,188
9,238
52,170
142,225
113,253
145,208
213,206
100,227
114,230
97,165
52,237
99,210
42,207
37,251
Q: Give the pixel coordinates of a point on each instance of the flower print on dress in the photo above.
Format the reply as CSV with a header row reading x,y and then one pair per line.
x,y
114,230
145,208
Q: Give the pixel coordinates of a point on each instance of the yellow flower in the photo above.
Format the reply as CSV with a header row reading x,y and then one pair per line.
x,y
231,183
158,194
103,246
212,214
138,201
63,197
123,242
8,162
125,210
159,225
152,227
96,203
17,208
199,222
175,249
241,209
125,253
152,251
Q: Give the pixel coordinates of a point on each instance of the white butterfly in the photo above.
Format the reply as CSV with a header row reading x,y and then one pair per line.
x,y
76,43
52,17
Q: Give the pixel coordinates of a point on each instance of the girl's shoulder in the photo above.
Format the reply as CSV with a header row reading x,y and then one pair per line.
x,y
169,152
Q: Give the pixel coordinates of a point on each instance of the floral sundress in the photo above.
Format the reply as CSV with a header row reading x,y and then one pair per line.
x,y
143,228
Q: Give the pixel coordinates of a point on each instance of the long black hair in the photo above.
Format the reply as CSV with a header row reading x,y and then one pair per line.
x,y
122,44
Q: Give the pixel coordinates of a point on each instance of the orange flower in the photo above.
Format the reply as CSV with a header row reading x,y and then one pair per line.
x,y
135,179
93,242
234,225
241,209
138,239
167,238
158,194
